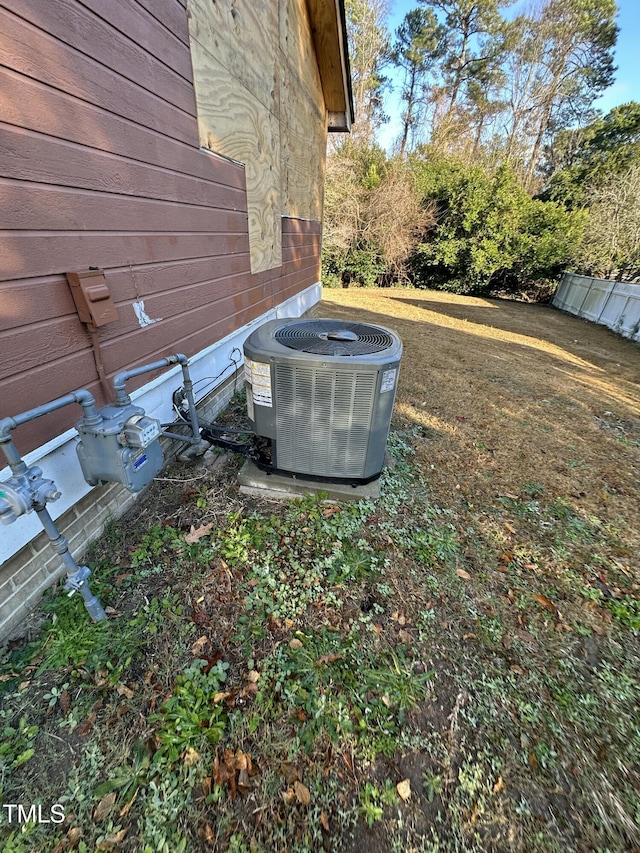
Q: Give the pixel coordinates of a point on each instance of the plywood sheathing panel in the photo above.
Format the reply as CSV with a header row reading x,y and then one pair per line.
x,y
303,115
260,103
237,93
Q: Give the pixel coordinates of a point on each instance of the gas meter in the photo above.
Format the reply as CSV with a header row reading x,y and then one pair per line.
x,y
123,447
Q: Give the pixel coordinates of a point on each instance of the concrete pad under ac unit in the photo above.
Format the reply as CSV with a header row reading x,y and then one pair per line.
x,y
260,484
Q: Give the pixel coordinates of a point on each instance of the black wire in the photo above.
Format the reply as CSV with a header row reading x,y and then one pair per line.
x,y
212,379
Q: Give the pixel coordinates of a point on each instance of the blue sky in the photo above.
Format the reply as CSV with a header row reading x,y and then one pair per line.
x,y
627,85
627,57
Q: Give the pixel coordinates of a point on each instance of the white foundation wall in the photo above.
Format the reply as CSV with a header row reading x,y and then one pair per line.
x,y
28,565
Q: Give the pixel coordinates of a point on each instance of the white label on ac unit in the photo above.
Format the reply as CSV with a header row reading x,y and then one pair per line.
x,y
261,398
388,380
261,383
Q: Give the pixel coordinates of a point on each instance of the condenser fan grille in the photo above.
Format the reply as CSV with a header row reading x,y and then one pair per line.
x,y
333,337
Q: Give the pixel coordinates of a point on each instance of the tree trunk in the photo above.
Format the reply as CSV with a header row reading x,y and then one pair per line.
x,y
409,114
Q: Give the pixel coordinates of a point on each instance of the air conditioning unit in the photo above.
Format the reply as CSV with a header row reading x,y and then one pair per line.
x,y
320,395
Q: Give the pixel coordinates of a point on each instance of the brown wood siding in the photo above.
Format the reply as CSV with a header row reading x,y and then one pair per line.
x,y
100,166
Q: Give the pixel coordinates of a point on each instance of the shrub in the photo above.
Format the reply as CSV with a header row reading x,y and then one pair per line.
x,y
490,234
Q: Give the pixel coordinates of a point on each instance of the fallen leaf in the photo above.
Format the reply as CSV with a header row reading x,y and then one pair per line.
x,y
244,783
622,551
195,535
302,793
104,807
328,658
324,820
86,727
200,645
295,643
123,690
207,835
222,772
111,841
253,676
528,639
69,842
220,697
405,636
242,760
464,575
73,837
65,701
289,796
191,756
330,510
546,602
499,785
200,617
289,771
404,789
250,689
517,669
124,811
510,527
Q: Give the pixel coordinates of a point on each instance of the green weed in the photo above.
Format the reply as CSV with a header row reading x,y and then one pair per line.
x,y
373,800
191,714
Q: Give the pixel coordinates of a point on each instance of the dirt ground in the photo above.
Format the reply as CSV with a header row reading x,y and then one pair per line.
x,y
453,668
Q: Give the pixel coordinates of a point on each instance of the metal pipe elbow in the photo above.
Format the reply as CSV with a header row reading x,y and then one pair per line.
x,y
87,401
6,425
120,379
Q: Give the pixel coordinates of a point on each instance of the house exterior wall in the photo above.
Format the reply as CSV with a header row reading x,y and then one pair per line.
x,y
101,165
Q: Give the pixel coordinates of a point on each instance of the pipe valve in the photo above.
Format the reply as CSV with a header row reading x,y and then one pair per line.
x,y
20,493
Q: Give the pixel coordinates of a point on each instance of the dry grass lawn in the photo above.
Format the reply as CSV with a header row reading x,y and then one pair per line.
x,y
512,393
